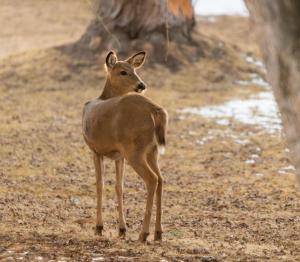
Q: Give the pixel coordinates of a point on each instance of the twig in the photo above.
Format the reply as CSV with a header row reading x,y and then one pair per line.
x,y
167,33
103,24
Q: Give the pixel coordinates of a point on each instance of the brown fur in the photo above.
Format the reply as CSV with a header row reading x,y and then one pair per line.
x,y
124,125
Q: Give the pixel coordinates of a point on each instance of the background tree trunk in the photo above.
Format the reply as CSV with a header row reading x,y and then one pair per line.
x,y
278,29
157,26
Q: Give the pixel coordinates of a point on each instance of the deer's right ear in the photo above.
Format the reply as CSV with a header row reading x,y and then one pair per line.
x,y
111,59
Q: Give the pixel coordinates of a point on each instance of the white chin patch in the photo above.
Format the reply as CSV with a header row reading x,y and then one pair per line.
x,y
140,91
162,150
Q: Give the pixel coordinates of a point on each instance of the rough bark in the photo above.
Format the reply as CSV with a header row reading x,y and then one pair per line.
x,y
157,26
278,29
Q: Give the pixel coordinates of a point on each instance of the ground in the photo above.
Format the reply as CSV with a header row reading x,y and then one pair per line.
x,y
218,205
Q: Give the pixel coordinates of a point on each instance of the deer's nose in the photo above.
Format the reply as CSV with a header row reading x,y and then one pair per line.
x,y
141,86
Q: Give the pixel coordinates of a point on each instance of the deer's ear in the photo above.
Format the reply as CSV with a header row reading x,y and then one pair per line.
x,y
137,60
111,59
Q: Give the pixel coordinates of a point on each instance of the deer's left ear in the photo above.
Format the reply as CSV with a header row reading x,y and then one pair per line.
x,y
137,60
111,59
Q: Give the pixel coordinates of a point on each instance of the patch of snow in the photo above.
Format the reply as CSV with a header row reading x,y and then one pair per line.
x,y
255,79
258,63
260,109
259,174
200,142
258,149
242,141
289,168
204,140
282,172
240,138
249,59
98,259
286,170
223,122
250,161
254,156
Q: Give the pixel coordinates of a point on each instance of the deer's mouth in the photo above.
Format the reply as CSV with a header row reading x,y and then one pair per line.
x,y
139,90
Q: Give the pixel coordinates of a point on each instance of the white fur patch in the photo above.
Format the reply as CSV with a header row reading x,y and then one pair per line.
x,y
141,91
162,150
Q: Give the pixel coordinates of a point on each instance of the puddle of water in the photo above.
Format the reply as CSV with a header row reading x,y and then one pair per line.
x,y
260,109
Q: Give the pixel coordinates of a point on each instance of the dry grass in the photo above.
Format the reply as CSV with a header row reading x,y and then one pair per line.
x,y
215,206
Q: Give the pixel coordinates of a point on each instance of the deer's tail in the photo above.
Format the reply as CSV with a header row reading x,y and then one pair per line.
x,y
161,122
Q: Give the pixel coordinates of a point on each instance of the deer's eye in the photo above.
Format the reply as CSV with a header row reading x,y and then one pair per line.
x,y
123,73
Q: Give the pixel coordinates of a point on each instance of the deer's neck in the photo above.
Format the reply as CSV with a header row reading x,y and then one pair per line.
x,y
108,91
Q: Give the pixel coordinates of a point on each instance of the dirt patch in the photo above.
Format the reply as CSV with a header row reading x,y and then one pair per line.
x,y
218,206
36,24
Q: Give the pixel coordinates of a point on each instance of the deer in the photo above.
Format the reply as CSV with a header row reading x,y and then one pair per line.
x,y
122,124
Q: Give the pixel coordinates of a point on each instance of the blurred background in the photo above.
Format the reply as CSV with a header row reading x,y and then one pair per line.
x,y
230,190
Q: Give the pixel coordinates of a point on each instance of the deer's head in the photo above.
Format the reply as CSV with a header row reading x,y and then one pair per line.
x,y
122,74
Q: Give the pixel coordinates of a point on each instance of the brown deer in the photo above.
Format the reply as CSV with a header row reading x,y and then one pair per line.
x,y
122,124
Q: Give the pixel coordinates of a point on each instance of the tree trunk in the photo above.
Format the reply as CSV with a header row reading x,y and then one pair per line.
x,y
278,29
156,26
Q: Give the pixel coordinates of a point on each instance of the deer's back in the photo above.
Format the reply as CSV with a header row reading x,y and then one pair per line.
x,y
110,125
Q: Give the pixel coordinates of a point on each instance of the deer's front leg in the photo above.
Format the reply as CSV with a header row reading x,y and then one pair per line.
x,y
120,165
99,168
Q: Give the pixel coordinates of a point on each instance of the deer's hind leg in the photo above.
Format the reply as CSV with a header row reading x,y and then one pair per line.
x,y
140,165
152,159
99,168
120,165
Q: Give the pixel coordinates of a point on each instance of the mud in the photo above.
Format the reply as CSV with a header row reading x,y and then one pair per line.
x,y
230,191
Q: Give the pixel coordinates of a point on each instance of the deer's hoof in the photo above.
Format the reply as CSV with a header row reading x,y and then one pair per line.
x,y
158,236
122,232
143,237
98,230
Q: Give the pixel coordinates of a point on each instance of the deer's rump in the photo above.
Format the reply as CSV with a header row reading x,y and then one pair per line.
x,y
118,124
